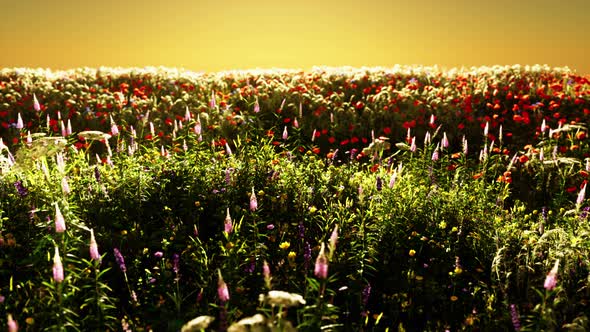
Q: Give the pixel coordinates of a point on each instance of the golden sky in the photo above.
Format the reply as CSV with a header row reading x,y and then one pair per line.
x,y
213,35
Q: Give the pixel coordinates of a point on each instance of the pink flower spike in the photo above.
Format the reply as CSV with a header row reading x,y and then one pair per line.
x,y
222,291
69,128
445,141
29,138
58,269
256,106
11,324
114,128
253,201
295,123
227,149
197,128
266,274
212,103
64,133
486,129
65,187
581,196
321,264
94,255
36,105
413,145
333,240
19,122
187,115
551,280
227,223
60,223
285,133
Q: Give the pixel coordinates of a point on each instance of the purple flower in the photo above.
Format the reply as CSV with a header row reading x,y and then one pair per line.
x,y
306,254
120,260
227,224
60,223
515,317
379,184
365,294
94,255
222,291
301,230
321,264
253,201
175,263
58,269
97,174
551,280
270,227
22,191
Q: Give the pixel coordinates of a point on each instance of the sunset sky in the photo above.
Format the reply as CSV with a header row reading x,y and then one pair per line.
x,y
214,35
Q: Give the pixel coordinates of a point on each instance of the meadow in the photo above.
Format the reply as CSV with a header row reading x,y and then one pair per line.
x,y
334,199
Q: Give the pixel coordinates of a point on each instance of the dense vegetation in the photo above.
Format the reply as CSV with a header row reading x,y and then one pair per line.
x,y
405,199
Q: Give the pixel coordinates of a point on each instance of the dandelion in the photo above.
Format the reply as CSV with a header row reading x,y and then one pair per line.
x,y
36,105
551,280
222,291
120,260
58,269
94,255
227,223
321,264
60,223
253,201
11,324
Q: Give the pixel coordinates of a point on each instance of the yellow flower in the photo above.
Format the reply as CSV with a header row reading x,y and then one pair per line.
x,y
454,298
412,252
285,245
292,255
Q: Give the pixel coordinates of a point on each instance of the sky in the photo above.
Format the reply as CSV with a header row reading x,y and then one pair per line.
x,y
216,35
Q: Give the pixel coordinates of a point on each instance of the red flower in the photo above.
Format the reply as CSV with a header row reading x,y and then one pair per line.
x,y
387,130
331,140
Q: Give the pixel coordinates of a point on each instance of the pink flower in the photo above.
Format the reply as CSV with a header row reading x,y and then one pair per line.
x,y
187,115
285,133
114,128
65,187
253,201
58,269
581,196
94,255
222,291
212,103
445,141
197,128
36,105
321,264
227,224
413,144
60,223
19,122
256,106
12,324
551,280
333,240
266,274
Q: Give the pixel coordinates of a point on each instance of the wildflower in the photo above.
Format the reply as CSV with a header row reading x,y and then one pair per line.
x,y
60,223
114,128
19,122
515,317
266,274
36,105
256,106
94,255
551,280
321,264
291,255
392,179
22,191
58,269
306,254
227,223
253,201
285,134
222,291
543,126
227,149
454,298
412,253
175,263
295,123
212,103
198,324
65,187
427,138
11,324
187,115
120,260
285,245
282,298
333,240
254,323
486,129
465,146
581,196
158,254
413,144
435,155
365,294
379,184
445,141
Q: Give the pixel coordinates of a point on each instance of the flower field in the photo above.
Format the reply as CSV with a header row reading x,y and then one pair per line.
x,y
337,199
